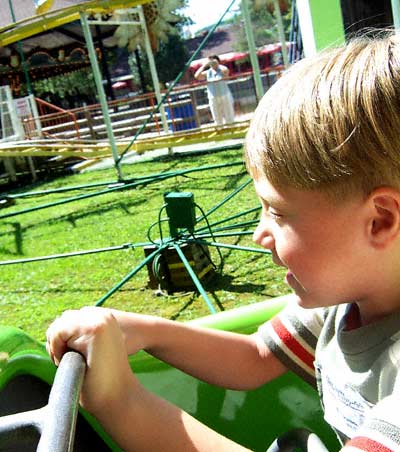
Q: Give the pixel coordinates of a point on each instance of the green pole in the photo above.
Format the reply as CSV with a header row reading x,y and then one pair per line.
x,y
130,275
252,50
230,227
100,90
153,69
233,217
396,14
225,200
223,234
321,25
281,31
125,186
194,277
72,254
21,54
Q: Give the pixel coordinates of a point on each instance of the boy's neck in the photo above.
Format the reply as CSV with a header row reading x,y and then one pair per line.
x,y
379,311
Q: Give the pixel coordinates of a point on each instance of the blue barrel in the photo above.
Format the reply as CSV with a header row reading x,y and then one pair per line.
x,y
182,117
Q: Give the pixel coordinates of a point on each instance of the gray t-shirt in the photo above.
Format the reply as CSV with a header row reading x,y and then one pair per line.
x,y
355,370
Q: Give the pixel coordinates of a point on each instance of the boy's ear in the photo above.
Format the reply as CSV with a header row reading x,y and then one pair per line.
x,y
384,219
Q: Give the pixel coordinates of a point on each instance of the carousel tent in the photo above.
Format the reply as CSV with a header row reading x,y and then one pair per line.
x,y
51,43
39,47
16,15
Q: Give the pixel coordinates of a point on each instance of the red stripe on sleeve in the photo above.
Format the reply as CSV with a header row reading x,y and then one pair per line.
x,y
368,445
291,343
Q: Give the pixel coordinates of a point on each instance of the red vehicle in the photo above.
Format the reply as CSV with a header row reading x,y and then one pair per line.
x,y
269,57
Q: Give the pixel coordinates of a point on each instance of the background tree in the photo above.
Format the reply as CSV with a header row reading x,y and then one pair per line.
x,y
264,23
68,90
169,60
164,23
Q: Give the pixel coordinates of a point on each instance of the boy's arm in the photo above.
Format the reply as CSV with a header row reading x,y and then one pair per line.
x,y
230,360
142,421
136,419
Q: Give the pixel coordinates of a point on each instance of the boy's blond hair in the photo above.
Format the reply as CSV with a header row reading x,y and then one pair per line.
x,y
332,122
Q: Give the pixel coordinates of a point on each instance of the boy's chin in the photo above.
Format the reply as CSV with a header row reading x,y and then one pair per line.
x,y
303,297
307,302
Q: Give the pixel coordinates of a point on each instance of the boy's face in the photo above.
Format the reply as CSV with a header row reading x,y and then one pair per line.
x,y
321,243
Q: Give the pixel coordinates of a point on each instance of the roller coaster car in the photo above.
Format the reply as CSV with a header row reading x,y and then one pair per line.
x,y
252,418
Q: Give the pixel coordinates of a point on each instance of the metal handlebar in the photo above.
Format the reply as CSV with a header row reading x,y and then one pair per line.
x,y
55,422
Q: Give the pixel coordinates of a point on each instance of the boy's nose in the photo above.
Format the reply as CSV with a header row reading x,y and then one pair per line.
x,y
262,236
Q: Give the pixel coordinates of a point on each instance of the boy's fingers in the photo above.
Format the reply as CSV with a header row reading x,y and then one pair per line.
x,y
58,336
56,348
75,329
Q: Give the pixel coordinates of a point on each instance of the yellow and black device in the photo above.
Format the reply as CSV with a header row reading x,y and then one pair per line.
x,y
166,270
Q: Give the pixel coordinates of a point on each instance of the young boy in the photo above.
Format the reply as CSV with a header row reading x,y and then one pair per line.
x,y
324,151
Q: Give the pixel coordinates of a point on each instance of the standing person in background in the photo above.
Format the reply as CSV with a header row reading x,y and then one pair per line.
x,y
219,95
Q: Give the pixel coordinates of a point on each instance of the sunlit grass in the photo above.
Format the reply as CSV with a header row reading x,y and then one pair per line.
x,y
34,293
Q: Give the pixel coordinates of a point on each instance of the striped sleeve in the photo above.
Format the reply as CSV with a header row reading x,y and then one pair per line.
x,y
292,336
381,430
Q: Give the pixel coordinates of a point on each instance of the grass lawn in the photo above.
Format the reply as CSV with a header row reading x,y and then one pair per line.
x,y
34,293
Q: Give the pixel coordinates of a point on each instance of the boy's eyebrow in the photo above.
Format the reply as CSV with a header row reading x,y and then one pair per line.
x,y
275,203
269,198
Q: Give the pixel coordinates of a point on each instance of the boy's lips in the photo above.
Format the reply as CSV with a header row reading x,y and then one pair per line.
x,y
292,281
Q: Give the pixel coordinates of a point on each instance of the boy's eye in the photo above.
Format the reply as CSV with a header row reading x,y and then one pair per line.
x,y
273,214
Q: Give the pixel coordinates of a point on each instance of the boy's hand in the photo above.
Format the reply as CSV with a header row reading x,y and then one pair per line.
x,y
95,333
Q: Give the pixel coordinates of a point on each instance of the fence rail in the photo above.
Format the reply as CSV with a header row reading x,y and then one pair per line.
x,y
186,108
52,119
47,132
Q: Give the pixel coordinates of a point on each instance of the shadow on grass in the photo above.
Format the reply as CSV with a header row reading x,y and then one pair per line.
x,y
57,290
4,250
225,282
126,206
70,218
235,179
217,283
182,309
